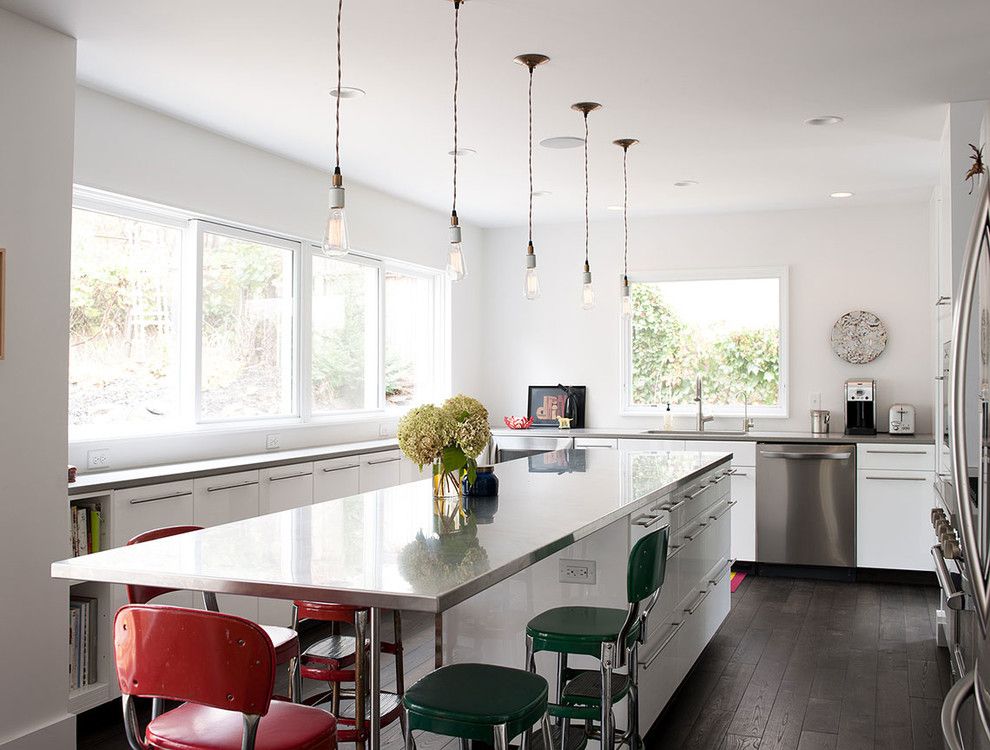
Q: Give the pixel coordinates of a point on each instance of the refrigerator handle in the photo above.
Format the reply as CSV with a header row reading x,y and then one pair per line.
x,y
958,694
961,319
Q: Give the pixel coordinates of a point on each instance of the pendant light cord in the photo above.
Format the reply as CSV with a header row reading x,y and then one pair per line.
x,y
457,13
625,212
531,69
586,223
340,13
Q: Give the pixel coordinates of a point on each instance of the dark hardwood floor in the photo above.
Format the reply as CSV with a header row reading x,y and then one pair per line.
x,y
809,665
797,665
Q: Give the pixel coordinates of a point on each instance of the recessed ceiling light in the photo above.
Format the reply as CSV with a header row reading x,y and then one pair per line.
x,y
347,92
541,193
616,208
562,141
841,194
462,152
685,183
824,120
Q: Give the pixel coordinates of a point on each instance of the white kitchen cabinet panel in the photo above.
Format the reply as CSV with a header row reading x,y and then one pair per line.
x,y
893,526
410,472
151,507
336,478
223,499
743,452
639,444
744,514
590,442
381,470
286,487
904,456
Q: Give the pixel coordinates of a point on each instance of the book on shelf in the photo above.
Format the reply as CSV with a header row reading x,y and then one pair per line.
x,y
86,528
83,631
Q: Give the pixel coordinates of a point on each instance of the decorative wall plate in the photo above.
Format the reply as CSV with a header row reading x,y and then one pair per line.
x,y
859,337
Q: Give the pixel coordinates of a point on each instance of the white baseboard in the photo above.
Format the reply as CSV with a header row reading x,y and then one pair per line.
x,y
59,735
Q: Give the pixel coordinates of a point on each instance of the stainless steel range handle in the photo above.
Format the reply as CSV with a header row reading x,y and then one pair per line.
x,y
665,641
806,456
954,699
954,599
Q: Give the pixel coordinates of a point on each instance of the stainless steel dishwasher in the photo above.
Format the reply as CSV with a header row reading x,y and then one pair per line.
x,y
806,504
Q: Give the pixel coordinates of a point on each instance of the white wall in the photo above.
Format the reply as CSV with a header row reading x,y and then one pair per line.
x,y
128,149
37,76
839,259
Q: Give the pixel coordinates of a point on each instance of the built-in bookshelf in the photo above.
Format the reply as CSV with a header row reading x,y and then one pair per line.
x,y
90,610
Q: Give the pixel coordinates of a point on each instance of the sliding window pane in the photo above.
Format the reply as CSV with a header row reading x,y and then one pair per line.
x,y
248,320
410,336
345,336
123,323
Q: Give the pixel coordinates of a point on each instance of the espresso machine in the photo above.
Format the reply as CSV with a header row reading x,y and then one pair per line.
x,y
861,407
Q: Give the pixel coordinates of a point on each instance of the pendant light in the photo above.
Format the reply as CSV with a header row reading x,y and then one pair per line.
x,y
624,144
456,268
587,290
335,243
532,281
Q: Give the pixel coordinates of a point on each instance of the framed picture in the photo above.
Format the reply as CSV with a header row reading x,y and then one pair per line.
x,y
3,280
547,402
566,461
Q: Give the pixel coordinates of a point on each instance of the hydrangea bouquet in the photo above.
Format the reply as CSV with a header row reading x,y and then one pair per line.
x,y
450,437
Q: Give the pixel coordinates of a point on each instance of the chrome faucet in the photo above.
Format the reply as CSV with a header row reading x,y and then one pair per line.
x,y
748,423
700,427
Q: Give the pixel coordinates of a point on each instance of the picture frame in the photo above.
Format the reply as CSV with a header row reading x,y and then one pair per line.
x,y
546,402
3,299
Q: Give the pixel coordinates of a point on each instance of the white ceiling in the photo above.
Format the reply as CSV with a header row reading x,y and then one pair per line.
x,y
716,91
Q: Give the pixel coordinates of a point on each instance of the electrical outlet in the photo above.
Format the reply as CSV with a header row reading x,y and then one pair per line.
x,y
99,458
578,571
272,442
816,400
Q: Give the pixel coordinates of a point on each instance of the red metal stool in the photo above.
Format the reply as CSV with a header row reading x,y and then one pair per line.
x,y
219,665
284,640
336,660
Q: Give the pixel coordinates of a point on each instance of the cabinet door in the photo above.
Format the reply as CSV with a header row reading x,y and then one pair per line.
x,y
336,478
744,514
223,499
643,444
596,443
893,527
381,470
286,487
743,452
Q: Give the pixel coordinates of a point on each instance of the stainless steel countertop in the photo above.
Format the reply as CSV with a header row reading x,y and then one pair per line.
x,y
357,550
115,480
754,436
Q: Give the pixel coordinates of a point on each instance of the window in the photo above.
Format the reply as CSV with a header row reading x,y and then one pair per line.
x,y
729,328
123,321
178,321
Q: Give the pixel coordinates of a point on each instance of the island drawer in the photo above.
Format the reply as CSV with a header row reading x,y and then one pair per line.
x,y
904,456
689,503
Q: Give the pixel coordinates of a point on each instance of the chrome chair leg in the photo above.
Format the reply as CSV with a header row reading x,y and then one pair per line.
x,y
547,737
406,732
607,727
501,737
635,739
563,723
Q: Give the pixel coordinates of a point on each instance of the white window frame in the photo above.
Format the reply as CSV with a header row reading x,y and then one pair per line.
x,y
190,421
781,411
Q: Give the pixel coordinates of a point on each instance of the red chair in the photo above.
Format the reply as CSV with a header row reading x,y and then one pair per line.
x,y
336,660
284,640
220,666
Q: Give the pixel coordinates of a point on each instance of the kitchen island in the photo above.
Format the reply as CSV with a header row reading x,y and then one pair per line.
x,y
486,571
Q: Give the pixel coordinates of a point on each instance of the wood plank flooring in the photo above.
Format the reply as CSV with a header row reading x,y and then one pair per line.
x,y
797,665
808,665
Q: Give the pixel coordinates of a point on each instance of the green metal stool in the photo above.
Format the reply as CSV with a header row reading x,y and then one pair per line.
x,y
610,635
480,702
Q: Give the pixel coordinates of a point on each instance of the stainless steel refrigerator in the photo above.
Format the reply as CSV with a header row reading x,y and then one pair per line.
x,y
966,711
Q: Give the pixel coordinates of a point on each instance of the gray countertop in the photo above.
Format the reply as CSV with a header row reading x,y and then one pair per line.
x,y
381,548
715,435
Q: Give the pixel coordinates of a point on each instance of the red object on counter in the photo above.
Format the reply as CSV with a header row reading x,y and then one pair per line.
x,y
518,423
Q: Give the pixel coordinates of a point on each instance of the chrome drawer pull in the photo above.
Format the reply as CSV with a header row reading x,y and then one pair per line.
x,y
220,488
142,500
290,476
697,602
721,574
719,478
674,627
673,549
327,470
728,507
899,479
942,301
737,473
641,521
384,461
694,494
896,452
694,535
675,506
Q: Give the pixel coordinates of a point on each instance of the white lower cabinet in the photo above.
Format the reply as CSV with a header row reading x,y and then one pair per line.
x,y
336,478
381,470
222,499
893,526
744,513
590,442
650,444
285,487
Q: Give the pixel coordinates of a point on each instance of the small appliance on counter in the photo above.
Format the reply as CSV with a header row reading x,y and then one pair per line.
x,y
820,419
861,407
901,419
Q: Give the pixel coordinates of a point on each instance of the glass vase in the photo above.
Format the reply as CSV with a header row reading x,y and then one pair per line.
x,y
448,505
